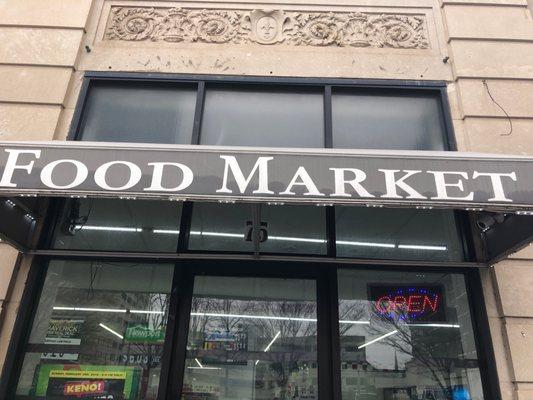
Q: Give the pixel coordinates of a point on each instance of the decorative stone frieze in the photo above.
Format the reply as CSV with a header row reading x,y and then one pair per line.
x,y
267,27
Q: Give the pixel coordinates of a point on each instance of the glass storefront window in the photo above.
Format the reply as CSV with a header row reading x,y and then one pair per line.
x,y
263,117
139,112
293,229
366,119
389,233
221,227
113,225
252,338
406,335
98,331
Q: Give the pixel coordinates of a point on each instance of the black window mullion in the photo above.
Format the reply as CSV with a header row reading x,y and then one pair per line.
x,y
180,333
166,357
335,334
185,227
328,123
198,113
331,235
324,339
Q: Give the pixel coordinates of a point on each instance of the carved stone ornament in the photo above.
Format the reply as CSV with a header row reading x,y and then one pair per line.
x,y
267,27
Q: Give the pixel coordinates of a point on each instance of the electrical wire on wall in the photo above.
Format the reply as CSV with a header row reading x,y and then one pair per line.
x,y
501,108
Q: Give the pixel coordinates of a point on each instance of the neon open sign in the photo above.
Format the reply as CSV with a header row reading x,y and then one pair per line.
x,y
409,302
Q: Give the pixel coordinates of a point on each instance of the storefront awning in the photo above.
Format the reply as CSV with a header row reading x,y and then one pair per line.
x,y
421,179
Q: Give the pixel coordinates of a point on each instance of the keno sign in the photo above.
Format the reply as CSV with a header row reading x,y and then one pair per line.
x,y
441,179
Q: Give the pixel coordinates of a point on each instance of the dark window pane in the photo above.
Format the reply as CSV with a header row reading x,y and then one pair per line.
x,y
294,229
252,338
390,233
111,224
221,227
406,335
363,120
101,323
136,112
261,117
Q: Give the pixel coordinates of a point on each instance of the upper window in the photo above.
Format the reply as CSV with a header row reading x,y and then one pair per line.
x,y
245,113
139,112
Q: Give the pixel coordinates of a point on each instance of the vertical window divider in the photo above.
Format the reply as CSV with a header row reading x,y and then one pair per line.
x,y
328,119
170,335
180,332
198,113
185,227
333,291
331,234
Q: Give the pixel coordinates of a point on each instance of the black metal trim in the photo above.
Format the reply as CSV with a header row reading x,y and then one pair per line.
x,y
198,113
181,332
275,80
490,382
331,232
185,227
168,346
449,139
328,118
79,111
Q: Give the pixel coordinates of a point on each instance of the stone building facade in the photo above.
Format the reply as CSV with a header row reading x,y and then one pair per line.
x,y
482,49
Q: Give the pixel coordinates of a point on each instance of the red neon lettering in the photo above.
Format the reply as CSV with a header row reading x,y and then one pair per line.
x,y
400,303
414,304
434,305
383,304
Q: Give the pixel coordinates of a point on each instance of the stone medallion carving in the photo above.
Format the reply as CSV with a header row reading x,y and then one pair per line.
x,y
267,27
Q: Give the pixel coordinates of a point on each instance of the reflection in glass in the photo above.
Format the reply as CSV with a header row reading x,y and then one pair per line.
x,y
111,224
143,113
363,120
394,233
293,229
98,330
406,336
265,117
252,339
221,227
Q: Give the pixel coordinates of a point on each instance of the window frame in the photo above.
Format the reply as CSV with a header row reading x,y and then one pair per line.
x,y
327,84
174,350
187,263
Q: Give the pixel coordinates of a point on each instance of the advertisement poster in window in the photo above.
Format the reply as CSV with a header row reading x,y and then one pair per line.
x,y
63,331
87,381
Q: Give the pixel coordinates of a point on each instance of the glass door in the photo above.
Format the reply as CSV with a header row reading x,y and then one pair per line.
x,y
251,338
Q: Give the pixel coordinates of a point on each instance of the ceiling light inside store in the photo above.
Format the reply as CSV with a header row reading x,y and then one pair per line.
x,y
270,344
107,328
378,339
108,228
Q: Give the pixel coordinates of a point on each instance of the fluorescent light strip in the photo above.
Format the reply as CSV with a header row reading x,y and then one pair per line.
x,y
268,317
422,247
281,238
107,328
110,310
199,363
108,228
167,231
204,368
378,339
296,239
435,325
272,342
219,234
367,244
354,322
269,345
